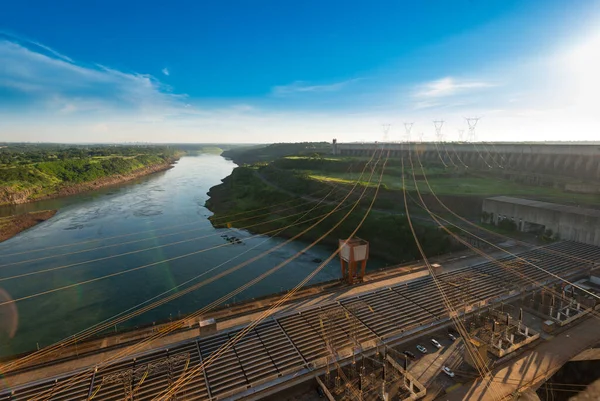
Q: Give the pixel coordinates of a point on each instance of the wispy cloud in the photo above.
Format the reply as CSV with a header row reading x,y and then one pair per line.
x,y
165,71
448,87
304,87
43,77
37,46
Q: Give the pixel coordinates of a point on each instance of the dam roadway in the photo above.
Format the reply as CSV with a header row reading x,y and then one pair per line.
x,y
289,347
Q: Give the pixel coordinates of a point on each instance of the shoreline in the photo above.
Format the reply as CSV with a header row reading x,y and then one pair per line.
x,y
13,225
74,189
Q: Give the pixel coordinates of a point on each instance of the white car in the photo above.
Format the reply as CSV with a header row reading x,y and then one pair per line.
x,y
422,349
452,336
447,371
437,344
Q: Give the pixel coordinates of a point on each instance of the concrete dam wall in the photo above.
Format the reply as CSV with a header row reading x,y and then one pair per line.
x,y
569,160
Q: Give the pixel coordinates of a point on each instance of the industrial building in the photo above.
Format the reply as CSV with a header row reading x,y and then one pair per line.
x,y
558,221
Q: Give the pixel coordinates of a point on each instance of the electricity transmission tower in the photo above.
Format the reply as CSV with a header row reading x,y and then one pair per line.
x,y
472,122
438,130
386,130
461,133
408,128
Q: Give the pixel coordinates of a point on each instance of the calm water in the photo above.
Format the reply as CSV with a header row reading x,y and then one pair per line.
x,y
159,210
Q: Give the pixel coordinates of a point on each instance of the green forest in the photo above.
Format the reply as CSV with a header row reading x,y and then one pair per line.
x,y
43,169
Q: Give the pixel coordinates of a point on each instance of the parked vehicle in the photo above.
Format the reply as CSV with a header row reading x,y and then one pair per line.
x,y
452,336
447,371
409,354
436,343
422,349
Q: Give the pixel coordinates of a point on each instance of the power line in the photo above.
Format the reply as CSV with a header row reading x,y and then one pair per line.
x,y
240,335
69,383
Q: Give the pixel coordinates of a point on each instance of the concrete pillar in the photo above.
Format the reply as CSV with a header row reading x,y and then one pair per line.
x,y
590,166
384,395
528,161
577,166
558,161
526,331
547,163
567,163
537,161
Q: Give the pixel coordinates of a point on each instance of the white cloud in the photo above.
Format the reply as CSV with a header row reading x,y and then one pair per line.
x,y
54,83
66,101
68,108
448,87
165,71
303,87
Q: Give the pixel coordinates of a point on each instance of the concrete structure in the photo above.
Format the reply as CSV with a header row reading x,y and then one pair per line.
x,y
208,326
289,348
566,222
509,336
377,377
571,160
525,371
353,251
481,356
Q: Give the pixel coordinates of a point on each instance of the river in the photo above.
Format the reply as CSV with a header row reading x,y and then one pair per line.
x,y
163,217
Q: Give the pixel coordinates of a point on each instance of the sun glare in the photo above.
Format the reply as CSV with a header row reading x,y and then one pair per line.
x,y
583,63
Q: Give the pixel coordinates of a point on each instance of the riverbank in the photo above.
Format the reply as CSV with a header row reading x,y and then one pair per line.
x,y
244,191
12,225
9,196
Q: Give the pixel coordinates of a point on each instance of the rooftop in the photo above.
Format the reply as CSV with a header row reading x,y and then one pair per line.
x,y
548,206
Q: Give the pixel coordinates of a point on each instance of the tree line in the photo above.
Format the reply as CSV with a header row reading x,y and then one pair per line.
x,y
48,165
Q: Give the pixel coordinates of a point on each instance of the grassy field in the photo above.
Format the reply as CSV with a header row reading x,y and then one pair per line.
x,y
243,191
469,186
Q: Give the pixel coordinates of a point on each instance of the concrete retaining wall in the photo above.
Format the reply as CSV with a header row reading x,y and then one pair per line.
x,y
568,226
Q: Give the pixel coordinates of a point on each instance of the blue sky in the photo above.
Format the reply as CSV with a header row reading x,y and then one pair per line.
x,y
263,71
